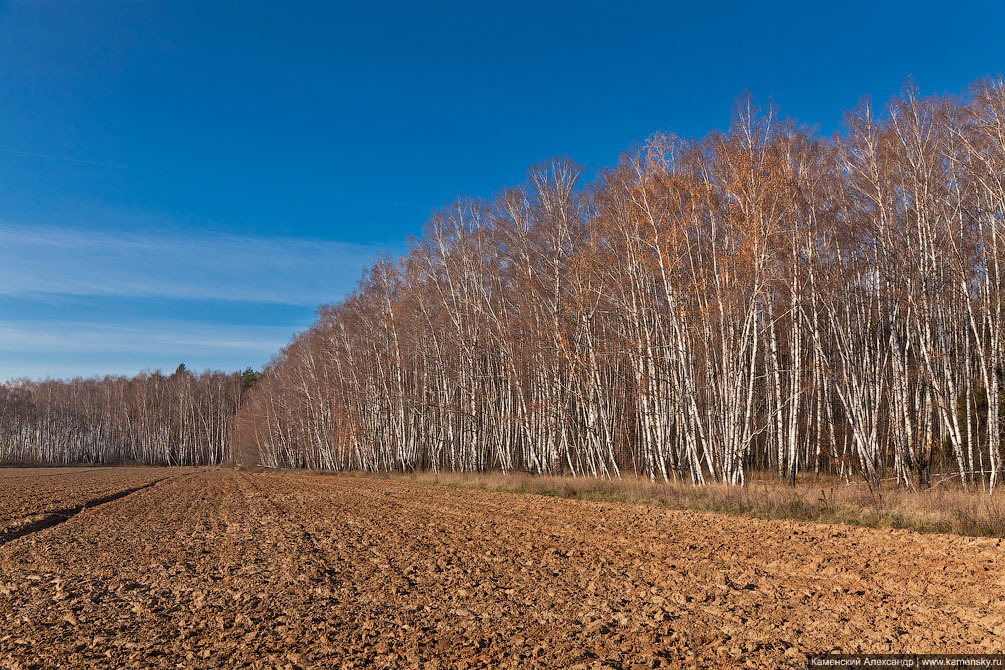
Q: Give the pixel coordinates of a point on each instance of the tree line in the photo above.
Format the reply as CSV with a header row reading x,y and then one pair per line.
x,y
179,419
759,298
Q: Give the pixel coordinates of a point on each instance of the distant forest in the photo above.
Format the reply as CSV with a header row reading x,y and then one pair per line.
x,y
762,298
181,419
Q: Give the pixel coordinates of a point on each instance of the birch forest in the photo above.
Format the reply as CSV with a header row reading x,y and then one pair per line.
x,y
181,419
761,299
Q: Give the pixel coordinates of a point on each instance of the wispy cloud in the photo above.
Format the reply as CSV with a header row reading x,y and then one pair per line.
x,y
36,261
67,159
85,337
69,348
79,302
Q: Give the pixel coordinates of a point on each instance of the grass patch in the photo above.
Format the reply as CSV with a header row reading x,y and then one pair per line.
x,y
942,509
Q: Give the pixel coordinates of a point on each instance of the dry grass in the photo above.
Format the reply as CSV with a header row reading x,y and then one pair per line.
x,y
942,509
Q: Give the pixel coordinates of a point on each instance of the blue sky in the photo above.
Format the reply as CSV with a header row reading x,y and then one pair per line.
x,y
187,181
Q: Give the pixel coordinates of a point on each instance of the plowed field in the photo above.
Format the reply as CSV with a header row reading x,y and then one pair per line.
x,y
218,568
31,497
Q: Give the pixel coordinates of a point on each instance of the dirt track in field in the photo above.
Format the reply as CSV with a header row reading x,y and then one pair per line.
x,y
216,568
40,497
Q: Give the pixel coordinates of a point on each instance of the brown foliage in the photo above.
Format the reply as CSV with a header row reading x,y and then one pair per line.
x,y
761,298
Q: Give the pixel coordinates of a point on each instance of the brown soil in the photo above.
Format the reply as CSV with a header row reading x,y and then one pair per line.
x,y
32,495
218,568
